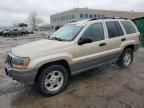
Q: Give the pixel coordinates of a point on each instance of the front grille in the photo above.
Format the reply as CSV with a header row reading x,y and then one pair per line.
x,y
9,60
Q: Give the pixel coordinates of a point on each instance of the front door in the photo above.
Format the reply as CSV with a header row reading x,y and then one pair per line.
x,y
90,54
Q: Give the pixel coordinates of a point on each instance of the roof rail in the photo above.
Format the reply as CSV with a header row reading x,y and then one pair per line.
x,y
107,18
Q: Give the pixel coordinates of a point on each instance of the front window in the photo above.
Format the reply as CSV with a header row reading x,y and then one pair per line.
x,y
67,33
94,32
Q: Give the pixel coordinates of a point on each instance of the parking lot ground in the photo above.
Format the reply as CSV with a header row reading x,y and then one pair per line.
x,y
103,87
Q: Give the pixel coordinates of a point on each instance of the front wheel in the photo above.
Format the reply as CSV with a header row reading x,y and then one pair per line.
x,y
22,34
52,80
126,58
6,35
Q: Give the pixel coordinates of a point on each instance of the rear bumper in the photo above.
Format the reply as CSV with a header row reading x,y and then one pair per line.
x,y
21,75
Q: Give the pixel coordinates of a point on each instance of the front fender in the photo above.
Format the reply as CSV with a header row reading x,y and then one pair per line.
x,y
50,58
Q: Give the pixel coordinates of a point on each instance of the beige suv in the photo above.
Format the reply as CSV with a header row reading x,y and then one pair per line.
x,y
74,48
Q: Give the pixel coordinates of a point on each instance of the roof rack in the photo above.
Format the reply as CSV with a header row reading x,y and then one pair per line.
x,y
107,18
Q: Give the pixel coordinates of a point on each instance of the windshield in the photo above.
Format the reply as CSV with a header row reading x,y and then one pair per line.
x,y
67,33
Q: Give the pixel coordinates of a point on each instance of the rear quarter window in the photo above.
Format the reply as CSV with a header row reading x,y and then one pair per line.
x,y
129,27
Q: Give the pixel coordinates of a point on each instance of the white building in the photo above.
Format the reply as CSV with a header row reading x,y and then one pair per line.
x,y
59,19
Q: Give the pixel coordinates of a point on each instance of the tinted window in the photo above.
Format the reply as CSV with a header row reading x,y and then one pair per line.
x,y
114,29
81,16
95,15
128,27
95,32
90,15
86,15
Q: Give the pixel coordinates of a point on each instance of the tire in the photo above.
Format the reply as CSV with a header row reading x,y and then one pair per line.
x,y
126,58
22,34
50,77
6,35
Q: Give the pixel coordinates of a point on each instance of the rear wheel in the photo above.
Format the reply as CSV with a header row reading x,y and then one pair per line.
x,y
126,58
52,80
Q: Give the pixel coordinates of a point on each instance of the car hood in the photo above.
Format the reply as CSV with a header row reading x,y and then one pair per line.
x,y
37,47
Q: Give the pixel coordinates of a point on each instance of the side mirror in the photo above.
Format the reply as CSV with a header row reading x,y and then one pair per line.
x,y
84,41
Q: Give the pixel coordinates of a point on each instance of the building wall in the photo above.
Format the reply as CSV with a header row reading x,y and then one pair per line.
x,y
77,14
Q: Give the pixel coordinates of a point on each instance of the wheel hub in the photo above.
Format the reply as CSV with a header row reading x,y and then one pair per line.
x,y
54,80
127,59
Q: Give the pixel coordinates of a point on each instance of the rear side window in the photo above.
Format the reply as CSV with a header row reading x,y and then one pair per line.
x,y
95,32
129,27
114,29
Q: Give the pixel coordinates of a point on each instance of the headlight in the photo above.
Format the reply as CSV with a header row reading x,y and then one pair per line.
x,y
20,62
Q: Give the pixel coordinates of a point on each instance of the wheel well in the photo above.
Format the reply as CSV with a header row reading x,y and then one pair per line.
x,y
59,62
130,46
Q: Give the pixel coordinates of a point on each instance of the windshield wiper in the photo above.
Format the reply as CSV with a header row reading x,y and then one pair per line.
x,y
56,38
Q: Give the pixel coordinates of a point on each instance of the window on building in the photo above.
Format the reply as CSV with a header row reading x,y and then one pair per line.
x,y
81,16
69,16
86,16
114,29
66,17
61,18
103,15
90,16
129,27
73,17
95,15
95,32
99,15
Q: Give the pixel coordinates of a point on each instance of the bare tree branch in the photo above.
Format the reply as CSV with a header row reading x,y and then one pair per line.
x,y
34,20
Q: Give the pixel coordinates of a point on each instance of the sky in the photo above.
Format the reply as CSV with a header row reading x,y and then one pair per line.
x,y
15,11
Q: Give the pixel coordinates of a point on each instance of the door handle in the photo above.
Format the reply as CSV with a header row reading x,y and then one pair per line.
x,y
102,44
123,39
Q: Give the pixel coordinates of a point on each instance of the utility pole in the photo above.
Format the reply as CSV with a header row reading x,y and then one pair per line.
x,y
77,3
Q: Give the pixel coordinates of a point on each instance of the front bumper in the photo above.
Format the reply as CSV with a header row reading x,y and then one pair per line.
x,y
21,75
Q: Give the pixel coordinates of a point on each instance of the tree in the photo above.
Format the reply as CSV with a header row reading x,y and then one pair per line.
x,y
45,27
34,20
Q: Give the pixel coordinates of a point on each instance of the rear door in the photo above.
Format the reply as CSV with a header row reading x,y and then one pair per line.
x,y
115,36
131,31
